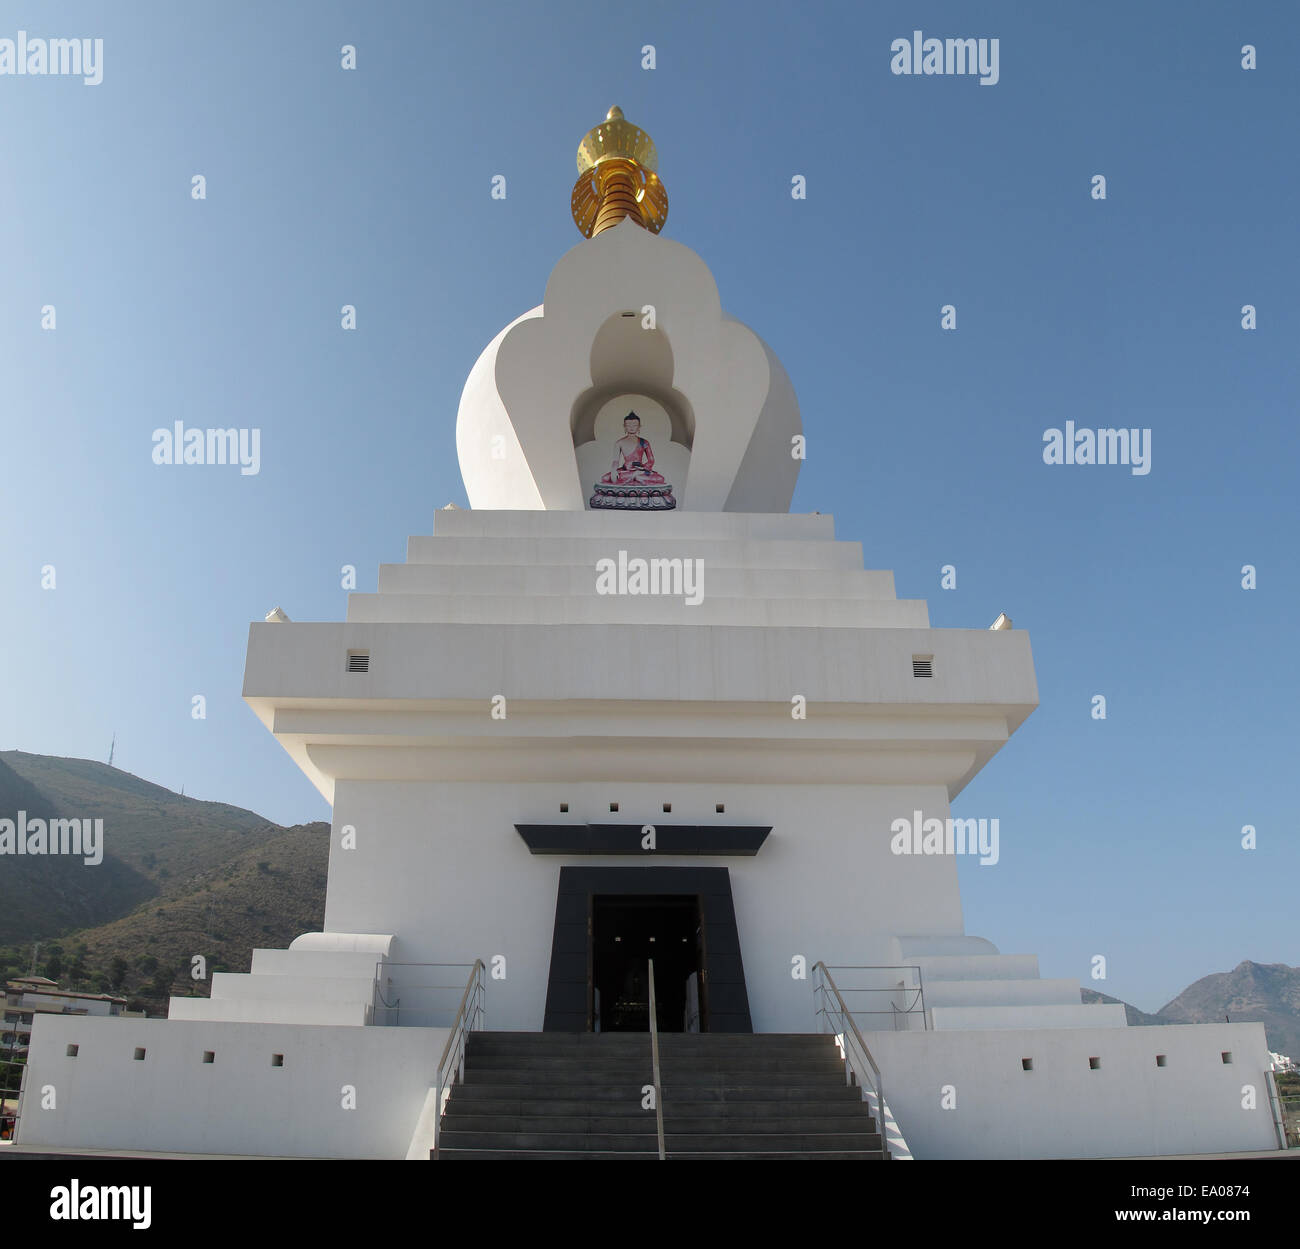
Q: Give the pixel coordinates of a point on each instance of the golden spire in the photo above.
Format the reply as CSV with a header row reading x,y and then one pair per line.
x,y
617,178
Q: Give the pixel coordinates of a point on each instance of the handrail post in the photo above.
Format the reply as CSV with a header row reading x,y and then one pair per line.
x,y
654,1063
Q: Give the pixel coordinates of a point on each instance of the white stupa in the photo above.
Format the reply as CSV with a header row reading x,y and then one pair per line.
x,y
627,704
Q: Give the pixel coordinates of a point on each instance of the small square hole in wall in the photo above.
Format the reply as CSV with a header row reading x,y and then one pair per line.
x,y
1226,1056
564,808
1161,1060
73,1050
923,665
358,661
277,1060
209,1056
668,806
1094,1064
139,1053
1026,1064
613,806
721,808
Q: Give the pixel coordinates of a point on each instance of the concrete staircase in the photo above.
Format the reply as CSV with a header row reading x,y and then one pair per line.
x,y
725,1095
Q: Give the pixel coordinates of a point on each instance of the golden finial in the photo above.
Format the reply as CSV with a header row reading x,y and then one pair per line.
x,y
617,178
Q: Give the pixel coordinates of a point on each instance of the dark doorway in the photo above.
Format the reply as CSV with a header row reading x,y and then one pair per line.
x,y
628,931
570,988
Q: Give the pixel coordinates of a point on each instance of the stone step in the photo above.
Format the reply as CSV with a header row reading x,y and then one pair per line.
x,y
741,1095
676,1124
534,1090
579,1077
549,1041
616,1067
630,1108
695,1143
667,1053
486,1155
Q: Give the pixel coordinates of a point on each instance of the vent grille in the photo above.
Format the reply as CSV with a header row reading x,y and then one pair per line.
x,y
358,661
923,665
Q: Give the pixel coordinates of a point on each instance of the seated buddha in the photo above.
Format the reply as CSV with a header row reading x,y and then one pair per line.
x,y
632,481
634,461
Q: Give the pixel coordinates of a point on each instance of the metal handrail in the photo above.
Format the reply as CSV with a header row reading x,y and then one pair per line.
x,y
917,1003
393,1009
851,1029
654,1064
466,1021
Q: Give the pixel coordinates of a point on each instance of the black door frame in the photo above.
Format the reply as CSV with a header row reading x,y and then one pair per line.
x,y
568,990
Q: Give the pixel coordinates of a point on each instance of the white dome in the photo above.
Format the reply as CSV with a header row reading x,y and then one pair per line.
x,y
628,314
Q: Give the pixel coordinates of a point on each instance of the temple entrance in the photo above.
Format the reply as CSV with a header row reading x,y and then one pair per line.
x,y
626,932
595,905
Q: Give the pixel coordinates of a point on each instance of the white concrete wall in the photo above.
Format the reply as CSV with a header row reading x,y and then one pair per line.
x,y
252,1009
1063,1109
710,608
172,1101
441,866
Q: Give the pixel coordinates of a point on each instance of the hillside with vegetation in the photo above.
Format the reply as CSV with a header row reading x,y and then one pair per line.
x,y
179,877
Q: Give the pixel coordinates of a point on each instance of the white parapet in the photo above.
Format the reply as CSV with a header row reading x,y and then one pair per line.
x,y
533,581
208,1086
711,608
1078,1092
313,963
297,988
262,1010
1071,1015
1028,992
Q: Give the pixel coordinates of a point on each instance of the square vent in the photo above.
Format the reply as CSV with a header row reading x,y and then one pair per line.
x,y
358,661
923,665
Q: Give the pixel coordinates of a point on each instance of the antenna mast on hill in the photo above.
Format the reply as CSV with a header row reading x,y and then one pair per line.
x,y
111,749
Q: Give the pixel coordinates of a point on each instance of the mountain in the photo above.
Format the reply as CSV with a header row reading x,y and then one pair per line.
x,y
266,896
1136,1018
1268,993
43,895
179,877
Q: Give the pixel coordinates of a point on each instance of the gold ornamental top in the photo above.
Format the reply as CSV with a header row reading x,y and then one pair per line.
x,y
617,178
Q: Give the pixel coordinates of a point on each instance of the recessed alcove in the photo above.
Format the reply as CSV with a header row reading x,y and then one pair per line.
x,y
631,371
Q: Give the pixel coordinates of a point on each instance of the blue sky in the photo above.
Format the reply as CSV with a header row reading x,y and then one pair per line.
x,y
372,187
